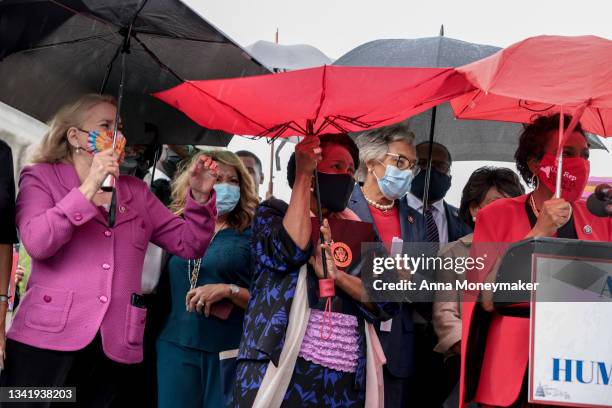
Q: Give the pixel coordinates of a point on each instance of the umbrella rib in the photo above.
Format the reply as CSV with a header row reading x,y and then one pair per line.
x,y
478,92
227,105
157,60
60,43
523,103
87,15
172,37
603,125
322,99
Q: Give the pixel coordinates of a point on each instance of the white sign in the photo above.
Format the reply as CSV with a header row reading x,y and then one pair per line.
x,y
571,342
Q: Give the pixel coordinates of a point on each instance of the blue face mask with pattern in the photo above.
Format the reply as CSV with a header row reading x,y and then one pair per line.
x,y
228,196
395,183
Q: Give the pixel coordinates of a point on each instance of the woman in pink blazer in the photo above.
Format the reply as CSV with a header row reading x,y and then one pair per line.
x,y
495,375
80,322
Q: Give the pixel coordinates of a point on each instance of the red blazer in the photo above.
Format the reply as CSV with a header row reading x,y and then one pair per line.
x,y
507,343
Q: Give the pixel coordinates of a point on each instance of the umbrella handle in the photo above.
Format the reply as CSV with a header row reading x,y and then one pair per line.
x,y
109,183
562,138
320,216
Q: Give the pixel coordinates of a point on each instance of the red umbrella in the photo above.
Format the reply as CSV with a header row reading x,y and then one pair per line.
x,y
327,99
542,75
309,102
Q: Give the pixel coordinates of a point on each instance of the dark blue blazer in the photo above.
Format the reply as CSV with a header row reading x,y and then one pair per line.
x,y
456,228
398,344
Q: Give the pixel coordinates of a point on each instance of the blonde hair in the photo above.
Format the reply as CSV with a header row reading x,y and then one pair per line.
x,y
54,146
240,217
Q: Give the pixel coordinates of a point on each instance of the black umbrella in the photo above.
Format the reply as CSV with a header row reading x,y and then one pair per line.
x,y
53,51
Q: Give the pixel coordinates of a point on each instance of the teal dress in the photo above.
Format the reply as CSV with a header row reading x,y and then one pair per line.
x,y
189,373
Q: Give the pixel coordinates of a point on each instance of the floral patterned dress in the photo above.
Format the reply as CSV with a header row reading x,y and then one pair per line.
x,y
277,264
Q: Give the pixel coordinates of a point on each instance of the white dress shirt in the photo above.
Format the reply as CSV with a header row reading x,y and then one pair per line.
x,y
152,267
437,211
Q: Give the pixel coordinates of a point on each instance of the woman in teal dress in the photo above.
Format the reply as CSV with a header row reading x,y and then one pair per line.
x,y
208,295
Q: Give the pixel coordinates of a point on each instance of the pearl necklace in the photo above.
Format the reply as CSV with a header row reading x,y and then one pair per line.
x,y
374,204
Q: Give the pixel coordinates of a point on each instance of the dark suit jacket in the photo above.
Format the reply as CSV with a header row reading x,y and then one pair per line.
x,y
456,228
398,344
8,230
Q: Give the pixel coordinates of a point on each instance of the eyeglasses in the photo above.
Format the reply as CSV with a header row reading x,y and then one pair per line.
x,y
403,163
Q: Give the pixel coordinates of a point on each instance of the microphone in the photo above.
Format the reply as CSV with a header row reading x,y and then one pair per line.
x,y
600,202
604,192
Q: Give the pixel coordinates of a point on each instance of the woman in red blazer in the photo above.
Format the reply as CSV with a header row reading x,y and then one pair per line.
x,y
503,362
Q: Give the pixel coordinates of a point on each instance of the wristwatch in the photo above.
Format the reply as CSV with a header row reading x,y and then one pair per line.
x,y
234,290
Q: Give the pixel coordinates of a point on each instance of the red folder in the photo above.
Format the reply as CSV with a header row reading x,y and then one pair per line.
x,y
348,236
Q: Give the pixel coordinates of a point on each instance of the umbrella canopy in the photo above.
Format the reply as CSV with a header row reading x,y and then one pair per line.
x,y
313,101
543,75
53,51
467,140
279,57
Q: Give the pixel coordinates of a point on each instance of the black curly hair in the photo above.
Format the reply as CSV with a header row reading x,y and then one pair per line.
x,y
503,179
533,141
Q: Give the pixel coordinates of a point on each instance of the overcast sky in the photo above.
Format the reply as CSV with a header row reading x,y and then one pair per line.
x,y
337,26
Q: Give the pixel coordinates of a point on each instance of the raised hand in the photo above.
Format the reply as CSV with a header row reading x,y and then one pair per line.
x,y
307,154
202,178
102,164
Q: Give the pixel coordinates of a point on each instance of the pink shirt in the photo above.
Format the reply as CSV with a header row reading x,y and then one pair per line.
x,y
84,273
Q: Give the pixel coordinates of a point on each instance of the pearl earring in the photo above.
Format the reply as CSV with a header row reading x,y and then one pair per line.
x,y
78,150
474,219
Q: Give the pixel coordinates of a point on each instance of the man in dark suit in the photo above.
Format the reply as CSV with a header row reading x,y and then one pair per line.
x,y
441,225
442,222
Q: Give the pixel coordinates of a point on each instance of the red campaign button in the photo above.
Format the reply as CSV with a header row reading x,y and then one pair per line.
x,y
47,298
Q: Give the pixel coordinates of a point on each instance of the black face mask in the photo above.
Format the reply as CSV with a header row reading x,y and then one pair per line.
x,y
170,165
128,166
335,190
439,184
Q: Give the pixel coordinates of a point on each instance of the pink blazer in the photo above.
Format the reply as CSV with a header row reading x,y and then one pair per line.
x,y
84,273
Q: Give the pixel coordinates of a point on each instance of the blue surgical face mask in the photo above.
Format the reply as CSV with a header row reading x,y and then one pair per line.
x,y
395,183
228,196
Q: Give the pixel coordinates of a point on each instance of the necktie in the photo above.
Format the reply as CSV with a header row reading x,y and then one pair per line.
x,y
431,227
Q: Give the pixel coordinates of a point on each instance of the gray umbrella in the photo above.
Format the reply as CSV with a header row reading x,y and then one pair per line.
x,y
466,139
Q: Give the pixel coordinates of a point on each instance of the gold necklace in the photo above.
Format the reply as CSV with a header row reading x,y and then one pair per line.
x,y
374,204
193,272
